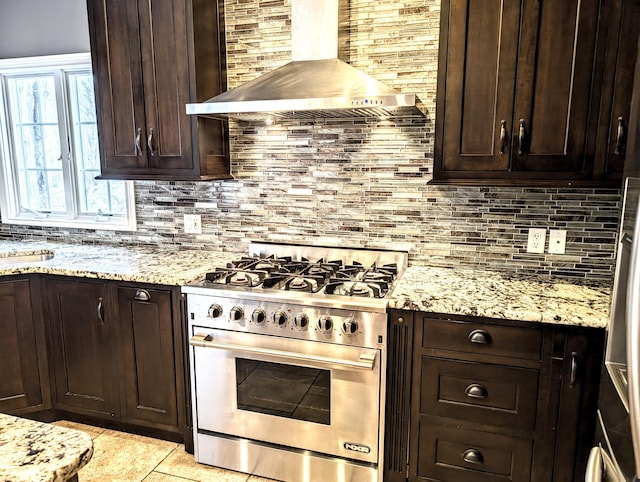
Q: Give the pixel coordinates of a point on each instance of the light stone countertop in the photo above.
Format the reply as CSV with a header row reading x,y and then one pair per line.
x,y
40,452
498,295
164,266
436,290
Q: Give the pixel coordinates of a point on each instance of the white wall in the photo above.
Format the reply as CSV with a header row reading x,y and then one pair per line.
x,y
42,27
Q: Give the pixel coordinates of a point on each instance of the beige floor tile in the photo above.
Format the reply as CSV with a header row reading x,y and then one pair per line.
x,y
122,457
90,429
181,464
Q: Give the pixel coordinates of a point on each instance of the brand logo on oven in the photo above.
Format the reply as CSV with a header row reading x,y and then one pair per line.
x,y
357,448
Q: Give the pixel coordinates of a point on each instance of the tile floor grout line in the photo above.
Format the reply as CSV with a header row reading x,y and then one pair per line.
x,y
159,463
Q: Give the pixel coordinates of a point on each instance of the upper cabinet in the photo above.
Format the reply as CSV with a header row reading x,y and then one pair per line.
x,y
151,58
528,91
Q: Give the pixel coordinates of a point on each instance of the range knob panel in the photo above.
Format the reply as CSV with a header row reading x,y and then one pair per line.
x,y
259,316
325,323
236,313
280,317
215,311
349,326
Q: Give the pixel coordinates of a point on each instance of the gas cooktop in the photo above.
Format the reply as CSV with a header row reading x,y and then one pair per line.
x,y
311,272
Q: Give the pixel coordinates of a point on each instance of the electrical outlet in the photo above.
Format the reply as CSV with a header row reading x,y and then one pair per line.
x,y
192,224
557,241
537,238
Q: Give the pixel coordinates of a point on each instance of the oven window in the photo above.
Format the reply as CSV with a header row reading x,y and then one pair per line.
x,y
284,390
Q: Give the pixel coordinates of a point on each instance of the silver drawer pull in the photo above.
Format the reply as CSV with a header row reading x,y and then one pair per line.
x,y
480,336
142,295
366,359
475,390
473,456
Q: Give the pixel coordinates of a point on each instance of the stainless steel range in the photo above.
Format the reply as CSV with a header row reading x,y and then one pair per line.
x,y
288,361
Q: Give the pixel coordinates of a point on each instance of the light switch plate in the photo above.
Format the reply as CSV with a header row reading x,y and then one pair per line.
x,y
537,238
192,224
557,241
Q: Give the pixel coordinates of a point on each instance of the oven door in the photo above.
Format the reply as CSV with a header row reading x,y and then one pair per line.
x,y
304,394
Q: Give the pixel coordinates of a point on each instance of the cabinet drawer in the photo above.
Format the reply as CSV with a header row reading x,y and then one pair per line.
x,y
487,394
452,454
479,338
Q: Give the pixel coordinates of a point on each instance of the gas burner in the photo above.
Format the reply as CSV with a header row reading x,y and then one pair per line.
x,y
343,287
236,277
300,283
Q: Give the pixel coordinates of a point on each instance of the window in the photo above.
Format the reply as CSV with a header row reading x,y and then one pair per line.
x,y
49,148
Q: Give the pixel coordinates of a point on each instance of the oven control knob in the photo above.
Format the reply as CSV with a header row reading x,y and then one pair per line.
x,y
215,311
301,321
280,317
325,323
349,326
259,315
236,313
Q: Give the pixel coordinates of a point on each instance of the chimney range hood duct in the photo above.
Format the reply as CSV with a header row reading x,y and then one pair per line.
x,y
316,83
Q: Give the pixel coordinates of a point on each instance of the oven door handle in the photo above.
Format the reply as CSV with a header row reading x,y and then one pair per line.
x,y
366,359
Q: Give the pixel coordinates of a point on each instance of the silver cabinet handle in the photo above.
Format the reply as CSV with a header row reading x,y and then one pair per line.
x,y
100,312
475,390
503,136
574,369
480,336
137,142
365,361
620,137
142,295
473,456
150,142
522,138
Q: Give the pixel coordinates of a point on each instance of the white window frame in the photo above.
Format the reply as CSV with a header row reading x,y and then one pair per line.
x,y
10,208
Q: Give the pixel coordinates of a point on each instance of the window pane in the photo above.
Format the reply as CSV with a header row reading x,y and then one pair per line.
x,y
34,123
94,195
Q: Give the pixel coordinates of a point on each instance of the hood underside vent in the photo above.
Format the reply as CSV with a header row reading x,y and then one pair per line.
x,y
315,84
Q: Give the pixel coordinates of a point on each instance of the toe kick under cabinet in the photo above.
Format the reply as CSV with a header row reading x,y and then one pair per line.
x,y
485,400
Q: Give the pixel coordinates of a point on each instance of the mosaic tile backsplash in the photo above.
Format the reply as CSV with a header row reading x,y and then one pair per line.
x,y
362,182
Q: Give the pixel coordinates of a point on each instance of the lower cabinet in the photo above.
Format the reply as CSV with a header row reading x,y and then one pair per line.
x,y
489,399
22,349
149,346
116,352
83,337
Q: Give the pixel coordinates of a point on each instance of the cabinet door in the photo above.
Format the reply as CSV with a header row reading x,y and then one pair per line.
x,y
617,83
20,380
148,347
515,101
553,88
482,39
163,40
84,364
117,68
582,353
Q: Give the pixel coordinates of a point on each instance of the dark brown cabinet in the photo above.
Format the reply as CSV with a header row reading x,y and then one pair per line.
x,y
526,89
149,60
82,340
150,343
117,352
621,29
489,399
22,351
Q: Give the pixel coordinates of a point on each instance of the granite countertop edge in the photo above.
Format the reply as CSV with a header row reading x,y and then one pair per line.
x,y
461,292
32,451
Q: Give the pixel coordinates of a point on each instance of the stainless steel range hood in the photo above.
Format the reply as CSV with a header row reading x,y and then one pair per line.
x,y
316,83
